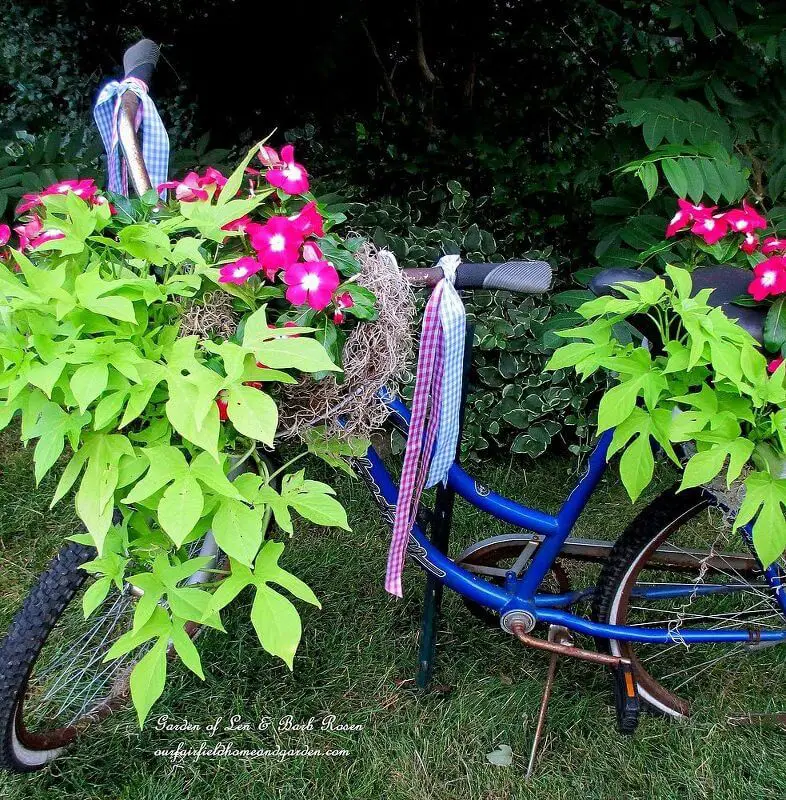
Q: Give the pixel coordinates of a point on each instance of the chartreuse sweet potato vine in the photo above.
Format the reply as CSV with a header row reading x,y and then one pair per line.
x,y
92,356
708,386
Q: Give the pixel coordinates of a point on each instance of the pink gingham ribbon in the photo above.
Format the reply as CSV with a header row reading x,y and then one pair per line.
x,y
437,391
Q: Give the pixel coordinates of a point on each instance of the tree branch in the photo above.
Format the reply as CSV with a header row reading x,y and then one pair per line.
x,y
421,53
385,77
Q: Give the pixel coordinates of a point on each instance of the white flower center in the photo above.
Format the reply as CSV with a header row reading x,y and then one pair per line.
x,y
240,272
768,278
709,224
741,224
277,242
310,282
292,173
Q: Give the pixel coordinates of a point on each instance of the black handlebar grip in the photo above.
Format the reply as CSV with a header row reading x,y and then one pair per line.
x,y
140,60
527,277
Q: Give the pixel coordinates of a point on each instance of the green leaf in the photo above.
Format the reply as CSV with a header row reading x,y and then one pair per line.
x,y
238,530
166,464
88,382
675,175
648,175
637,466
95,595
703,467
775,326
148,679
253,413
301,353
181,508
185,648
276,623
617,404
319,508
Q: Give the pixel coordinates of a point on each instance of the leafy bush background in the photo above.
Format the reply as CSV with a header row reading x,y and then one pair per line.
x,y
499,130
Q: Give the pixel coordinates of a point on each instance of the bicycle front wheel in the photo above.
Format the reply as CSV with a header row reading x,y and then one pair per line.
x,y
684,541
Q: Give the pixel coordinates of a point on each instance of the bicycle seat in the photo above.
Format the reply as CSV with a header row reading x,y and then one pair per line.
x,y
727,283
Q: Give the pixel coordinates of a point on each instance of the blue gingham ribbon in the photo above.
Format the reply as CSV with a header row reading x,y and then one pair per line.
x,y
155,142
436,407
452,319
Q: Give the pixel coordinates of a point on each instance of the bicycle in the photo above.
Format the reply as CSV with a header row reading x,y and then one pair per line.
x,y
667,614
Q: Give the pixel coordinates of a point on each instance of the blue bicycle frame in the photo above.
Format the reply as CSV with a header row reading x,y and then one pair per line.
x,y
520,593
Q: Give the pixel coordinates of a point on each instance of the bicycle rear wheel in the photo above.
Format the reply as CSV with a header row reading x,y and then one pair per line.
x,y
724,589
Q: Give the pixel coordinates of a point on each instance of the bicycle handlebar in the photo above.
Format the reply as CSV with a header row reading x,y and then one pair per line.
x,y
139,62
527,277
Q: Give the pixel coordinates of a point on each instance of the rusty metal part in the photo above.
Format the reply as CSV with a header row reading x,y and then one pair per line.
x,y
129,141
597,550
558,634
423,277
520,633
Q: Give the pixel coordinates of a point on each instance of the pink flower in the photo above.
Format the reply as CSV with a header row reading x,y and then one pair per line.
x,y
277,242
311,283
47,236
222,401
32,234
711,229
770,278
84,188
188,190
5,234
774,364
341,302
212,177
309,221
268,156
311,252
27,202
772,244
750,243
687,212
239,271
745,219
237,224
291,177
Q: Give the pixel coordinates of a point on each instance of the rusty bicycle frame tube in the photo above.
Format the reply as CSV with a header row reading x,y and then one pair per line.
x,y
129,141
566,649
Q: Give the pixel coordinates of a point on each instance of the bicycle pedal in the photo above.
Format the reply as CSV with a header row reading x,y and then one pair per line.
x,y
626,699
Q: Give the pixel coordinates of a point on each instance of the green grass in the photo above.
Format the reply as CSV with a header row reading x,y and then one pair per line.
x,y
357,660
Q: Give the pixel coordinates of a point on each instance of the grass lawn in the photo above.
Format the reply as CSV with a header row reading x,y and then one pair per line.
x,y
356,661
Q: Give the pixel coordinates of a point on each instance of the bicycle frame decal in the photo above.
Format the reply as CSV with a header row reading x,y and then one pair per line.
x,y
521,593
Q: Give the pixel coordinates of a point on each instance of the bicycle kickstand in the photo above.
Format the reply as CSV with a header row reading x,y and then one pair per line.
x,y
562,636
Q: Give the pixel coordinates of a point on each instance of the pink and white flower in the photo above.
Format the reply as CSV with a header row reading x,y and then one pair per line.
x,y
311,252
239,271
687,213
749,243
745,219
341,302
772,244
769,278
291,177
240,224
32,234
188,190
711,229
5,235
84,188
311,283
309,221
277,242
268,156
